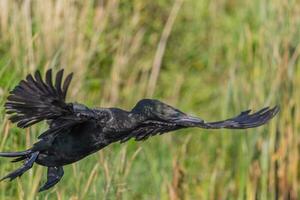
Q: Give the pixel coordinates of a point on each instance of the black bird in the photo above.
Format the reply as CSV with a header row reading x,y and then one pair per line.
x,y
76,131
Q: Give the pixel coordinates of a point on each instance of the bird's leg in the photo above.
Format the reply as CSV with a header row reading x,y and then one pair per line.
x,y
54,175
26,166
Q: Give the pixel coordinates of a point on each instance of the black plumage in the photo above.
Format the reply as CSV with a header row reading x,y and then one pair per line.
x,y
76,131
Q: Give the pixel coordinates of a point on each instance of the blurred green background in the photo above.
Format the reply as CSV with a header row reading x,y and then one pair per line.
x,y
210,58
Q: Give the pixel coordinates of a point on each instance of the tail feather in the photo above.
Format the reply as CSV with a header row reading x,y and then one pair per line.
x,y
19,156
15,154
26,166
18,159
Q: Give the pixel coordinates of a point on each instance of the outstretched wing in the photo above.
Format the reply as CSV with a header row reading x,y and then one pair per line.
x,y
35,100
150,128
244,120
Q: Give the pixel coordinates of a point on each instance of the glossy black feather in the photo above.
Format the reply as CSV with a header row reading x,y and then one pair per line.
x,y
34,100
66,85
58,81
245,120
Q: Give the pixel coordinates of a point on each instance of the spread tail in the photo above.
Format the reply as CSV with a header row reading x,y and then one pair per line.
x,y
29,157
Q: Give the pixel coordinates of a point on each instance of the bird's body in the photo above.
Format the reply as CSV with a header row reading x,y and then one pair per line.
x,y
76,131
84,139
88,137
71,146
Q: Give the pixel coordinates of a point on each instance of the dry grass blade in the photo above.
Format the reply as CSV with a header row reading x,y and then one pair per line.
x,y
162,46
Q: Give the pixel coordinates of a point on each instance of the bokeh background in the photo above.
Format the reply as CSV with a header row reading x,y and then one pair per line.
x,y
211,58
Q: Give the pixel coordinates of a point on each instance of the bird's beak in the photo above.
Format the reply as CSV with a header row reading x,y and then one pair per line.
x,y
189,121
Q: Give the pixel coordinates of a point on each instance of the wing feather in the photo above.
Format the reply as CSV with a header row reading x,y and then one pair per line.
x,y
244,120
34,100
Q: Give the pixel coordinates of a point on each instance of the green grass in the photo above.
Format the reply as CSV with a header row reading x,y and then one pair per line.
x,y
209,58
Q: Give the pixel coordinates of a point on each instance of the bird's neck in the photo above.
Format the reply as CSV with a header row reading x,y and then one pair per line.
x,y
125,120
137,117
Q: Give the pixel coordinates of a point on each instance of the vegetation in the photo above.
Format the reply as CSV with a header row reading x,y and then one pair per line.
x,y
209,58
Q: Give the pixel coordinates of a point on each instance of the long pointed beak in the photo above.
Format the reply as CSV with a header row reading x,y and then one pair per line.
x,y
189,121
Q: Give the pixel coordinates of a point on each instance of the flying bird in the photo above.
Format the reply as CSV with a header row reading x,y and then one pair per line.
x,y
76,131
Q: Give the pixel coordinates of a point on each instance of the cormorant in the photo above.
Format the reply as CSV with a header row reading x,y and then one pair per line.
x,y
76,131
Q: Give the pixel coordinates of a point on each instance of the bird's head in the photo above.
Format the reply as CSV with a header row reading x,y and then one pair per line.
x,y
157,110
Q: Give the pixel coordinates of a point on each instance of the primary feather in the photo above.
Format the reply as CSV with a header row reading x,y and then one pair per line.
x,y
34,100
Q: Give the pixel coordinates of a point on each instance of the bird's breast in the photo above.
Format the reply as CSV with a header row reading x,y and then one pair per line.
x,y
71,146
